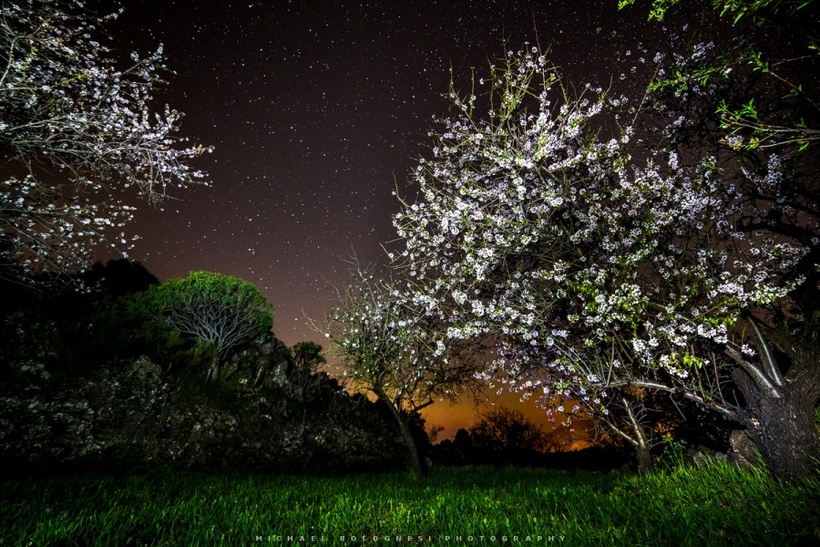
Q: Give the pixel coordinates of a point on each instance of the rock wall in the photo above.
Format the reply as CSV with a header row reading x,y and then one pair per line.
x,y
135,412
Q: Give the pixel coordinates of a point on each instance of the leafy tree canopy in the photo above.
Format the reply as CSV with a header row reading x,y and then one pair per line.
x,y
221,310
736,9
765,55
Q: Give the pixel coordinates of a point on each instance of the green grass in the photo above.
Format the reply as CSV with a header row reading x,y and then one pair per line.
x,y
717,505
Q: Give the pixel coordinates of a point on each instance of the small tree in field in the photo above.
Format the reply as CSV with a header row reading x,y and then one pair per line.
x,y
220,311
391,349
508,432
76,135
601,262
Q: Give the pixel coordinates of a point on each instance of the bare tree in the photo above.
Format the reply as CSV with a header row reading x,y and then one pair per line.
x,y
308,358
507,430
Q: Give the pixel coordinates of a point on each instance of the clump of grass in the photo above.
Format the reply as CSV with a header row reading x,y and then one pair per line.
x,y
716,505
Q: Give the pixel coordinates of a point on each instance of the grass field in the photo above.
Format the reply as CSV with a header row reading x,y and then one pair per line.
x,y
717,505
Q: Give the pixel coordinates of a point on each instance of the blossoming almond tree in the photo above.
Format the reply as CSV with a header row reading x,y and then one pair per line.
x,y
391,348
599,261
747,80
76,133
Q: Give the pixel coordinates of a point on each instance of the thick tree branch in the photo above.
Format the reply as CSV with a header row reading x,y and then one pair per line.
x,y
757,375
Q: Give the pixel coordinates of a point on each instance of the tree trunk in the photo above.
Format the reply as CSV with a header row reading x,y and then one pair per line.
x,y
213,371
639,438
644,457
782,427
417,463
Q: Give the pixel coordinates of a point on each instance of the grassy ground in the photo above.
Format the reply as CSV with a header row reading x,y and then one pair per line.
x,y
717,505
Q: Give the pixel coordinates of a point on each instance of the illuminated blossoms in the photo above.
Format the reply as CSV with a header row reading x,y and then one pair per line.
x,y
75,130
594,259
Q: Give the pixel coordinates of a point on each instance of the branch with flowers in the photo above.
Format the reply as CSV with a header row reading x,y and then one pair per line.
x,y
77,133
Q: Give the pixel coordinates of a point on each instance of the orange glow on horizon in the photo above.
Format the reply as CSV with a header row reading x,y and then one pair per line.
x,y
465,412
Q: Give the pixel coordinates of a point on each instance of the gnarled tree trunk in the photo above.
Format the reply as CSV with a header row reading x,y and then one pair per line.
x,y
779,413
781,424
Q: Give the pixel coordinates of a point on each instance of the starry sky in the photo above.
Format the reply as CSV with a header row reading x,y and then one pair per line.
x,y
317,111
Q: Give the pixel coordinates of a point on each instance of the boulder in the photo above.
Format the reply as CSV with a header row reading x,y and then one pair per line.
x,y
743,451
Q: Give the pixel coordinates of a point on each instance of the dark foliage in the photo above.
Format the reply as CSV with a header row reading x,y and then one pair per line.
x,y
461,451
89,383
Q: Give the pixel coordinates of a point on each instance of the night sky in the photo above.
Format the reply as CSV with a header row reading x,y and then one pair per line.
x,y
317,111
